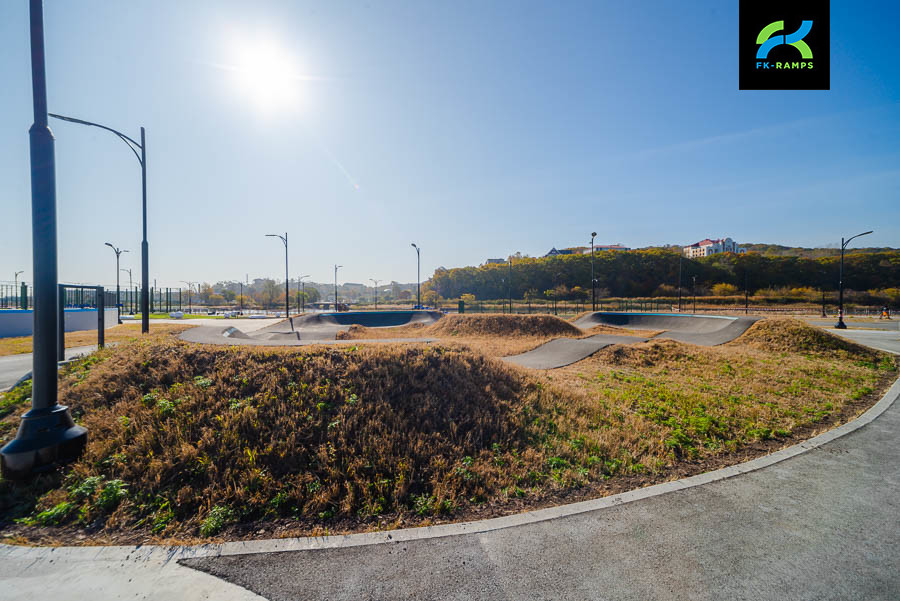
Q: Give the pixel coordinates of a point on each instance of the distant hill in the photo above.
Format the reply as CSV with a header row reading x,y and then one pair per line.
x,y
777,250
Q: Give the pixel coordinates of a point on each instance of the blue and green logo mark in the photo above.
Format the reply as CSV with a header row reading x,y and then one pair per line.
x,y
778,39
768,40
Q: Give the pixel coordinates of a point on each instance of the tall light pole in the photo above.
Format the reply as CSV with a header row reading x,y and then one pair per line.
x,y
130,286
374,281
287,290
694,291
302,293
190,294
680,257
840,324
46,434
593,284
145,261
16,293
336,267
241,284
418,274
118,252
509,283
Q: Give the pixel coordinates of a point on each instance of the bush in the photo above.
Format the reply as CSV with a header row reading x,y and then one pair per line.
x,y
724,289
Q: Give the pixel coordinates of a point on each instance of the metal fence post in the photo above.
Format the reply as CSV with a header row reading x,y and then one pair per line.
x,y
101,317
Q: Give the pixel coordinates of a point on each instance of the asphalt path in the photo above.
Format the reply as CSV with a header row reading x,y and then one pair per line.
x,y
880,339
14,367
565,351
875,324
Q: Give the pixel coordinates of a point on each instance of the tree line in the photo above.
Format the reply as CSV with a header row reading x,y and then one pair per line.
x,y
650,272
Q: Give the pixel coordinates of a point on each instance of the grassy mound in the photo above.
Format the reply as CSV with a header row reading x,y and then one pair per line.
x,y
785,334
186,439
502,325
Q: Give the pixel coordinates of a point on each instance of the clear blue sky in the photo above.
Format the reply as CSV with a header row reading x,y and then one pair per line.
x,y
476,129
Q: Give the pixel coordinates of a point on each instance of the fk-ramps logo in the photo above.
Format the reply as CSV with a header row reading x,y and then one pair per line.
x,y
784,45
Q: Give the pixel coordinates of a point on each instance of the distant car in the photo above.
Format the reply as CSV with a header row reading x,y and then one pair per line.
x,y
177,315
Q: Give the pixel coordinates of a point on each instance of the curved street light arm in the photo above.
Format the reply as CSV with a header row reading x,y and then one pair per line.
x,y
856,236
128,141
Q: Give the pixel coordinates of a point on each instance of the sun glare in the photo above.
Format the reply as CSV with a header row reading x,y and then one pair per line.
x,y
265,72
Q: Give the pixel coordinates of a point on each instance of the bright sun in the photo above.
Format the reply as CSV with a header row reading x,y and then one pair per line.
x,y
265,72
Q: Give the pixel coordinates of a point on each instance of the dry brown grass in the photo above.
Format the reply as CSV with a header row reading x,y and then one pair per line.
x,y
502,325
25,344
295,440
473,327
786,334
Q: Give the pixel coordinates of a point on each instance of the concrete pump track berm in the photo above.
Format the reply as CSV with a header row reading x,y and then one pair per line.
x,y
315,328
322,328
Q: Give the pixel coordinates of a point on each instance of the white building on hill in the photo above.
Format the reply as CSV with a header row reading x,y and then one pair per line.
x,y
707,247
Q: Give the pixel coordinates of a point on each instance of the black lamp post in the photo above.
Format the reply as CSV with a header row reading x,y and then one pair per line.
x,y
287,291
694,291
130,283
509,284
418,274
374,281
190,294
118,252
840,324
336,267
680,257
302,293
145,261
46,434
16,292
593,285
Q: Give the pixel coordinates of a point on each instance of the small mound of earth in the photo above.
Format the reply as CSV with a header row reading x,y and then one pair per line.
x,y
785,334
503,325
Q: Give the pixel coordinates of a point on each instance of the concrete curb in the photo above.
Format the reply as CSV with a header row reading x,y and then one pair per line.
x,y
156,553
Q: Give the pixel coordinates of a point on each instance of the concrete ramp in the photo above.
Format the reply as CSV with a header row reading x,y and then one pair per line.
x,y
314,327
705,330
565,351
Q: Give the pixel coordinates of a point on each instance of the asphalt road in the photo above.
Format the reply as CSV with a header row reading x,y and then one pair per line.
x,y
880,339
14,367
821,525
873,324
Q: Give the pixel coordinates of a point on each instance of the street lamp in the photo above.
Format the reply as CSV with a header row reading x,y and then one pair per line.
x,y
16,294
509,284
130,286
302,293
46,434
287,293
118,252
241,284
680,257
593,285
694,291
418,274
374,281
145,261
190,294
336,267
840,324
